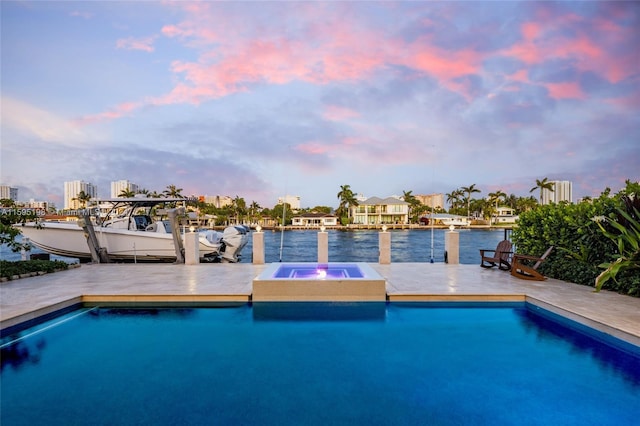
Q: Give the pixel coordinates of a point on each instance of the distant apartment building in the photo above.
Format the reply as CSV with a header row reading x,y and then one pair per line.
x,y
37,204
9,193
377,211
435,201
292,200
73,188
122,185
218,201
562,191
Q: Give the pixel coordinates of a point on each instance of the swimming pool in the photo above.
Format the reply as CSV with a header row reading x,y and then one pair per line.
x,y
317,363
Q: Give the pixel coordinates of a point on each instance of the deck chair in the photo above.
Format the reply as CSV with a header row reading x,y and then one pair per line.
x,y
501,256
522,266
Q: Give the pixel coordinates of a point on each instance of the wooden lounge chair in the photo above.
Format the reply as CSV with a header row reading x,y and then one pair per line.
x,y
522,266
501,256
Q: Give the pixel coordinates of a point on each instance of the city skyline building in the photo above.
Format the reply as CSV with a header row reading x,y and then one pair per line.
x,y
562,191
218,201
292,200
8,192
122,185
431,200
73,188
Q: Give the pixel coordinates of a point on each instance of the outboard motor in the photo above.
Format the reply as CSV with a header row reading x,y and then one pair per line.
x,y
213,237
234,239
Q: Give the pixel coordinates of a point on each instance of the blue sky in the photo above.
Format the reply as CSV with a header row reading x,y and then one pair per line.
x,y
259,99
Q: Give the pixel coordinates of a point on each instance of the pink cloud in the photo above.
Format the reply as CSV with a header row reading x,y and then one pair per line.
x,y
592,46
445,65
117,112
174,31
313,148
630,101
530,30
130,43
569,90
233,56
331,50
338,113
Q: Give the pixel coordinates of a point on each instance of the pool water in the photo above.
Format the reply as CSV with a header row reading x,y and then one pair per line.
x,y
317,271
316,364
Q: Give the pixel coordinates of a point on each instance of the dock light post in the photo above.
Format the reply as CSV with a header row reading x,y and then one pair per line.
x,y
258,246
323,245
384,243
191,247
452,246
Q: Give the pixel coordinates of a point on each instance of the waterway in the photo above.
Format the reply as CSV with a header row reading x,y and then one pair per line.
x,y
362,245
356,246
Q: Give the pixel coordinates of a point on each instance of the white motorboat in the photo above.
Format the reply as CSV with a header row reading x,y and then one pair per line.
x,y
127,233
446,220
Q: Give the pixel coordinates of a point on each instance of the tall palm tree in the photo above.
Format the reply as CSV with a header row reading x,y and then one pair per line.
x,y
453,198
254,207
469,190
347,200
494,197
172,192
126,193
542,185
414,203
83,198
239,207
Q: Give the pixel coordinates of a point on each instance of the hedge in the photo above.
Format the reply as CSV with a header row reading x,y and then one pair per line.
x,y
580,246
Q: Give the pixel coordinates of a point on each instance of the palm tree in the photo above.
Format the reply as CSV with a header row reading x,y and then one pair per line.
x,y
239,207
525,204
83,198
414,203
469,190
542,184
452,198
347,200
496,196
172,192
126,193
254,208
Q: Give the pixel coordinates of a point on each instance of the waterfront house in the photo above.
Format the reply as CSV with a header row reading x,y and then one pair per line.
x,y
504,215
314,220
378,211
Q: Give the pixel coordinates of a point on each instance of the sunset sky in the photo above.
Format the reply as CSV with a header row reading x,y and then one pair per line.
x,y
262,99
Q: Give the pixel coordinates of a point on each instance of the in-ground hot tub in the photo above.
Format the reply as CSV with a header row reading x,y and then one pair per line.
x,y
335,281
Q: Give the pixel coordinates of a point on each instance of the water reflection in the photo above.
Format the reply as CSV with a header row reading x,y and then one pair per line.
x,y
609,358
20,353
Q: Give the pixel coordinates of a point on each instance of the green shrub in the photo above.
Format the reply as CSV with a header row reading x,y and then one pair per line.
x,y
580,241
9,269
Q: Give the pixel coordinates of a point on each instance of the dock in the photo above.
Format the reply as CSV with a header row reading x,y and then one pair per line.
x,y
202,285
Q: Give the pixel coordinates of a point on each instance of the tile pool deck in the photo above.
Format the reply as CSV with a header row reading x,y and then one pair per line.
x,y
27,298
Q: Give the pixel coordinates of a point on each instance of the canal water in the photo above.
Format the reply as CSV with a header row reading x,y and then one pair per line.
x,y
356,246
362,245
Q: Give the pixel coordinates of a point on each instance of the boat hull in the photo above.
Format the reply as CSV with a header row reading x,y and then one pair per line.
x,y
68,239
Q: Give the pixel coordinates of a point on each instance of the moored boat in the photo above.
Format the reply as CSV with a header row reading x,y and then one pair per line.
x,y
127,232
